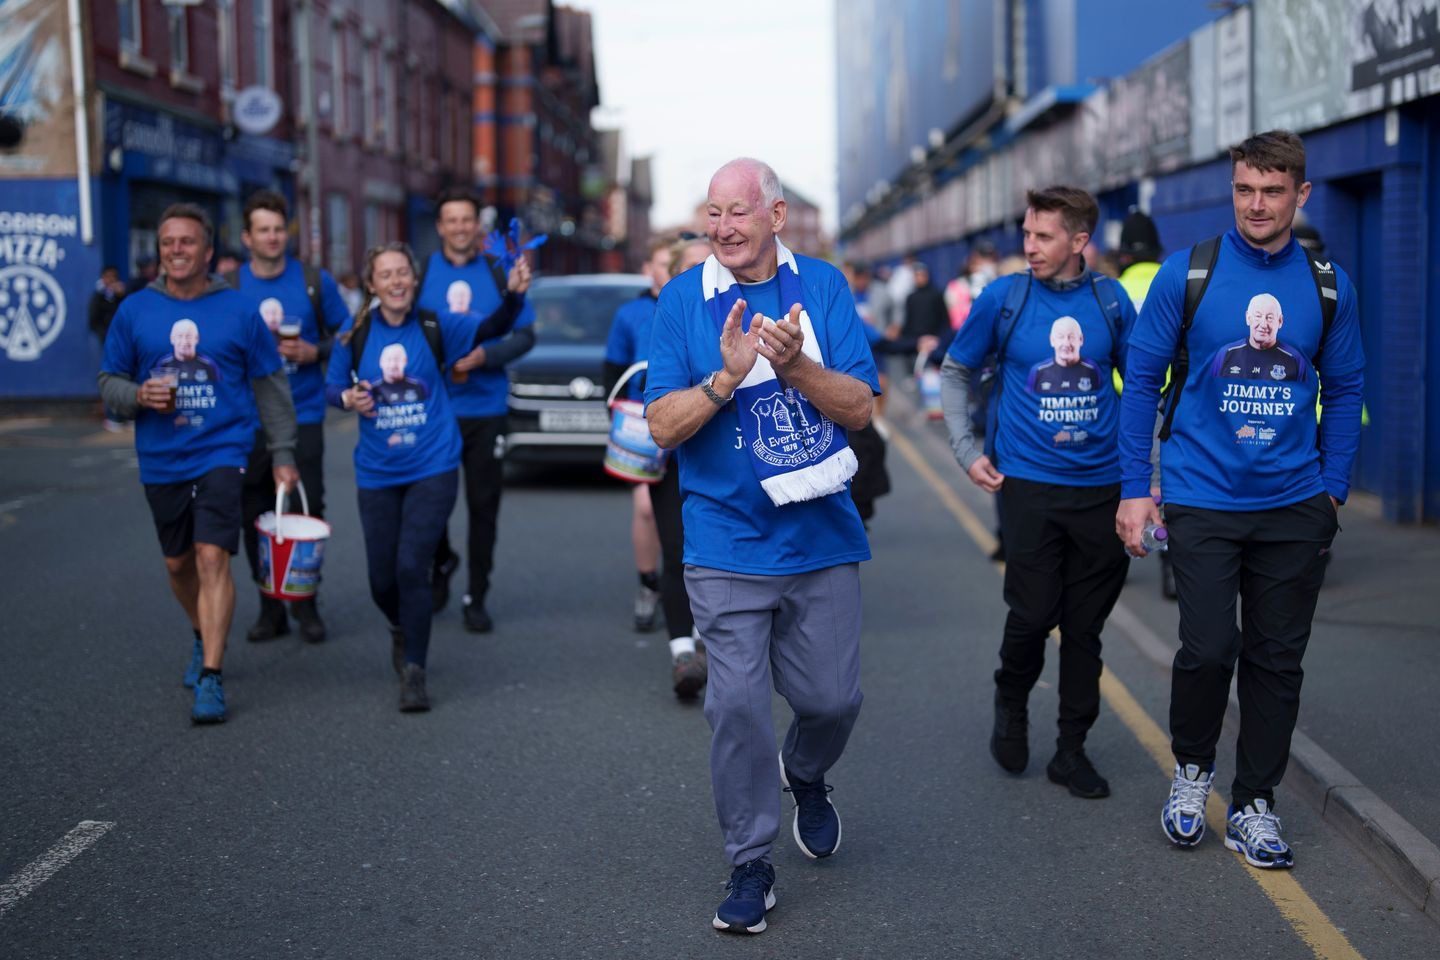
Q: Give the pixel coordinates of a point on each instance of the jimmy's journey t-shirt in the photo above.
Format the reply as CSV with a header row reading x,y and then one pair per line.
x,y
1244,432
413,434
285,297
469,291
215,344
730,522
1057,412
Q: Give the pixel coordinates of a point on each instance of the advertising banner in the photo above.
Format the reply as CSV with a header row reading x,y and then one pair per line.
x,y
1394,51
1233,121
35,89
46,278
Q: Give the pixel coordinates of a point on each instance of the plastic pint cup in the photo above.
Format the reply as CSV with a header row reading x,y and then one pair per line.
x,y
171,378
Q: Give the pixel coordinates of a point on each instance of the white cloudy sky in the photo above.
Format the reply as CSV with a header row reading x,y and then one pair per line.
x,y
695,84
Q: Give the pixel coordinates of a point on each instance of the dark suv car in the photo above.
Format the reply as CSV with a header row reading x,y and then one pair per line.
x,y
557,391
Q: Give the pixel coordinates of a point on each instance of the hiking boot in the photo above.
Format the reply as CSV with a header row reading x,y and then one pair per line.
x,y
440,576
209,700
307,615
817,824
688,673
413,698
1073,770
271,622
477,619
197,663
752,893
646,602
1010,741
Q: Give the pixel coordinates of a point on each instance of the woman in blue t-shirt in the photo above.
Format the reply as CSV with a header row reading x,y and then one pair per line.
x,y
388,366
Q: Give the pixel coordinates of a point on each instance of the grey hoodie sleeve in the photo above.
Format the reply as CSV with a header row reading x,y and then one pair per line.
x,y
118,393
955,402
277,415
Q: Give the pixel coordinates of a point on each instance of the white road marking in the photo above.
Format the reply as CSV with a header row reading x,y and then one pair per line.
x,y
70,846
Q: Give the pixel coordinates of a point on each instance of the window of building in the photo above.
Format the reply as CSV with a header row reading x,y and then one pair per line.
x,y
354,90
445,116
225,30
264,17
179,40
391,95
371,115
337,79
337,233
374,225
130,37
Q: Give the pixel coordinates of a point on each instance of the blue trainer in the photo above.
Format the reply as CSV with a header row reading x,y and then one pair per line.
x,y
209,700
817,824
752,893
197,663
1183,816
1255,832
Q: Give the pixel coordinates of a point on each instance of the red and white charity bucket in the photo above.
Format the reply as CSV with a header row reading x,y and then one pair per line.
x,y
631,453
292,547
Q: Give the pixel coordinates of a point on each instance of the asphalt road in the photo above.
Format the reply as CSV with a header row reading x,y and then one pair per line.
x,y
556,802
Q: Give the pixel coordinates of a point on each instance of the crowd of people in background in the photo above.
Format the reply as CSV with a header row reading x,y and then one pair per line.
x,y
762,371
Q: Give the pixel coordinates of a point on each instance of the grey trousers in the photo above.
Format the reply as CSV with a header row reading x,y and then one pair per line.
x,y
802,631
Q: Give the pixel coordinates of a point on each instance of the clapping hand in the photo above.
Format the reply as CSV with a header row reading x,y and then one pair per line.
x,y
781,342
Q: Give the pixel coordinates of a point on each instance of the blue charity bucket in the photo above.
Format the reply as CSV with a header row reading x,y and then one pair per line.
x,y
292,548
631,454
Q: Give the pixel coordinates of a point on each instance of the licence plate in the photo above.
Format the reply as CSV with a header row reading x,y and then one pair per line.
x,y
575,421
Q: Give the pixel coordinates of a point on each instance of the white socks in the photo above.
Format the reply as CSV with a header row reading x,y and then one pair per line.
x,y
681,645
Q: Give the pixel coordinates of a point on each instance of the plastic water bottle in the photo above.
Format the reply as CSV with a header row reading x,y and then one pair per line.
x,y
1155,538
930,393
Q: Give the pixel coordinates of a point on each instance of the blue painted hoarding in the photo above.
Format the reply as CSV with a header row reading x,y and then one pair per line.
x,y
46,277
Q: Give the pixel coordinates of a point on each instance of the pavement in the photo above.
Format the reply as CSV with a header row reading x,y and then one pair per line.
x,y
1371,672
556,802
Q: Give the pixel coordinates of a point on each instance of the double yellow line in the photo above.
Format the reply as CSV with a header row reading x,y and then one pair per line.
x,y
1303,914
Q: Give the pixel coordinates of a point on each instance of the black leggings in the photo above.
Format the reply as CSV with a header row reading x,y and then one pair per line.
x,y
665,500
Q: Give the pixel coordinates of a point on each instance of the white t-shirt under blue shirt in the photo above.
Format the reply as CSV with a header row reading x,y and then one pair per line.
x,y
730,522
217,344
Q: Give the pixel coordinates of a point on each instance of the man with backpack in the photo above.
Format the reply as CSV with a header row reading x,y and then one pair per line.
x,y
479,390
1251,487
308,309
1056,333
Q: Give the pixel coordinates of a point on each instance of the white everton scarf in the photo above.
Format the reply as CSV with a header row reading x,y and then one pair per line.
x,y
798,453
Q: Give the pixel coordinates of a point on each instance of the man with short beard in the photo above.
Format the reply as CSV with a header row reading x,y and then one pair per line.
x,y
1251,489
288,289
480,394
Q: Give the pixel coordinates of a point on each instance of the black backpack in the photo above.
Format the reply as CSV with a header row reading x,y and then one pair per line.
x,y
360,332
1104,289
312,290
1197,278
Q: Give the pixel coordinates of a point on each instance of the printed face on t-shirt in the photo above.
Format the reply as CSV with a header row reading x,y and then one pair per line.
x,y
458,297
1264,319
184,338
1066,338
392,363
272,312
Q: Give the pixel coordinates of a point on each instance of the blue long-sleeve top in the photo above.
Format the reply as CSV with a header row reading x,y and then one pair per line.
x,y
1244,435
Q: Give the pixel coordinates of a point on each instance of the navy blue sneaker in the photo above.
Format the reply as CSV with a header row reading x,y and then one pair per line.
x,y
209,700
817,824
1183,816
197,663
752,893
1254,832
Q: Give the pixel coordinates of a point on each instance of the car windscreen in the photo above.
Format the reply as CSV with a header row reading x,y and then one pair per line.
x,y
577,313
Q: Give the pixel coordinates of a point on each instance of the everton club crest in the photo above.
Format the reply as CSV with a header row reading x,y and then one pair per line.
x,y
785,437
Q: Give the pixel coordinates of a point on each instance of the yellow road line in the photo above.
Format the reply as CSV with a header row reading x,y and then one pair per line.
x,y
1304,915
